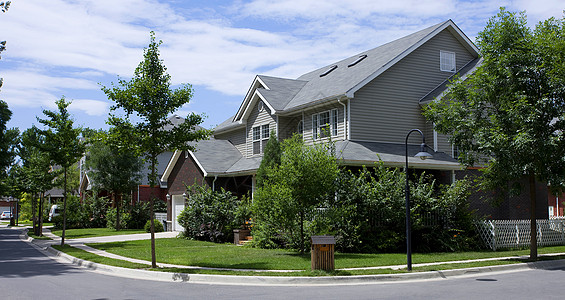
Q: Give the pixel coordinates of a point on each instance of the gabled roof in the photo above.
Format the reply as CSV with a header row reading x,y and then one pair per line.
x,y
340,79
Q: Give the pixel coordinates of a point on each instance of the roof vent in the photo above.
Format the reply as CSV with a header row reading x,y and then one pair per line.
x,y
358,60
328,71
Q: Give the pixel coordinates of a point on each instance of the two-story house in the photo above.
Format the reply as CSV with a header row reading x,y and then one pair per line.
x,y
367,103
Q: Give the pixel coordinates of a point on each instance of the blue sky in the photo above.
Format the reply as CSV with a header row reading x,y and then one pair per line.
x,y
68,48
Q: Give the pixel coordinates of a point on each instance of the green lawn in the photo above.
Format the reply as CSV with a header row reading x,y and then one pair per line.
x,y
93,232
205,254
99,259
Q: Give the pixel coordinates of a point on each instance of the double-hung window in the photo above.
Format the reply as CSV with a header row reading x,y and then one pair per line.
x,y
260,137
325,124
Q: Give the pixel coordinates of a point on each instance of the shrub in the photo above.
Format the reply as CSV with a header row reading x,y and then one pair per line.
x,y
211,215
97,208
111,218
77,215
158,226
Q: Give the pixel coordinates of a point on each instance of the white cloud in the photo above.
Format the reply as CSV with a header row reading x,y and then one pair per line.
x,y
90,107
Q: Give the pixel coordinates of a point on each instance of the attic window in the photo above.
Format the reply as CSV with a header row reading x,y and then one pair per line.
x,y
447,61
328,71
260,106
358,60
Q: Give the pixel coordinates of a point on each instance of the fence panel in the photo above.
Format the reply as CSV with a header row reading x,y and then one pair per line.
x,y
516,233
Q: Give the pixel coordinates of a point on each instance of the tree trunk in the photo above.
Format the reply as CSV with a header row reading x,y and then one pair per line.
x,y
34,213
41,196
533,225
301,231
64,207
117,200
152,184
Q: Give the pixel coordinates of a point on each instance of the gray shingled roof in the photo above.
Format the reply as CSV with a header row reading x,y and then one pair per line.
x,y
216,156
281,90
365,153
344,78
288,94
220,157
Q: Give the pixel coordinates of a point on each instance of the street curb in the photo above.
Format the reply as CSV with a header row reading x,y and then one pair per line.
x,y
285,280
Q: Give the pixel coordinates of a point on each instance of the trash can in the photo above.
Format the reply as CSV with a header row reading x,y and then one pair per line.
x,y
12,221
322,252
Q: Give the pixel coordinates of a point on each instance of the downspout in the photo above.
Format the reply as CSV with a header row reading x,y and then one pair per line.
x,y
349,118
344,119
214,183
303,125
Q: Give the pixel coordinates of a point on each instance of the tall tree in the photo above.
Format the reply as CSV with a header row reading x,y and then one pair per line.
x,y
304,179
8,141
63,144
509,115
148,99
36,173
113,167
271,158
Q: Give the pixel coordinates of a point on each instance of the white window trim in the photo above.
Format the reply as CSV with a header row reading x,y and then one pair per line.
x,y
334,126
264,135
445,55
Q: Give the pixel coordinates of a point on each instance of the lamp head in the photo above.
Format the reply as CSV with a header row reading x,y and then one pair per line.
x,y
423,154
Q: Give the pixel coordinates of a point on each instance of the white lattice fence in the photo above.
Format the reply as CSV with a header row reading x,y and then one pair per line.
x,y
516,233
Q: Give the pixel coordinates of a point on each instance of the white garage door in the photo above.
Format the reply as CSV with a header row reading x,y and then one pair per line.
x,y
178,206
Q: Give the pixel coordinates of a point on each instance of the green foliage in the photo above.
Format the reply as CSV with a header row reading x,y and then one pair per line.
x,y
132,216
63,145
77,215
509,113
157,223
8,141
111,219
303,181
367,214
97,208
271,158
212,215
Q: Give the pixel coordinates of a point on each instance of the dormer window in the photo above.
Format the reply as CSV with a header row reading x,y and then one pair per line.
x,y
447,61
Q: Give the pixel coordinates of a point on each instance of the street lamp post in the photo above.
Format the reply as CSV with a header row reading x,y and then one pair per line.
x,y
423,154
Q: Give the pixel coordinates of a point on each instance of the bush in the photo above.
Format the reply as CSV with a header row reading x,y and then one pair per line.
x,y
97,208
77,214
212,215
111,218
158,226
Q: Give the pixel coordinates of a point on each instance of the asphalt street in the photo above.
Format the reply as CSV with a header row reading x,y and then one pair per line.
x,y
26,273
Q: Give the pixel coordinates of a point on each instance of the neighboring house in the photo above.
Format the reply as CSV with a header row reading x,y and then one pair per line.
x,y
143,192
367,103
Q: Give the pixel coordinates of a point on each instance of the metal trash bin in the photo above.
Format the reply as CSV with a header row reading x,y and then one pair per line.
x,y
322,252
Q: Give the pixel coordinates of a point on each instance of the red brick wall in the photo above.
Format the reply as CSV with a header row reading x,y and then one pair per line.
x,y
185,172
507,208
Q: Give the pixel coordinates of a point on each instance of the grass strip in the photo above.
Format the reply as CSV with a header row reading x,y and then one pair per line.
x,y
306,273
94,232
206,254
85,255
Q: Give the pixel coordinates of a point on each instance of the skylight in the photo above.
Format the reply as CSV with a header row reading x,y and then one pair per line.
x,y
358,60
328,71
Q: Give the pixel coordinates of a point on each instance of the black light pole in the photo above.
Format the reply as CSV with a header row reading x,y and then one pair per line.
x,y
423,154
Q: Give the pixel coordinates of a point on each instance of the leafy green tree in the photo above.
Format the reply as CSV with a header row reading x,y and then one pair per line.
x,y
509,114
4,7
304,179
37,176
8,141
271,158
113,167
148,99
63,144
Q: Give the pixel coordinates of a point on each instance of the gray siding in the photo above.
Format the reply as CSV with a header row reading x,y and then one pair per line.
x,y
236,137
387,108
257,118
288,126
